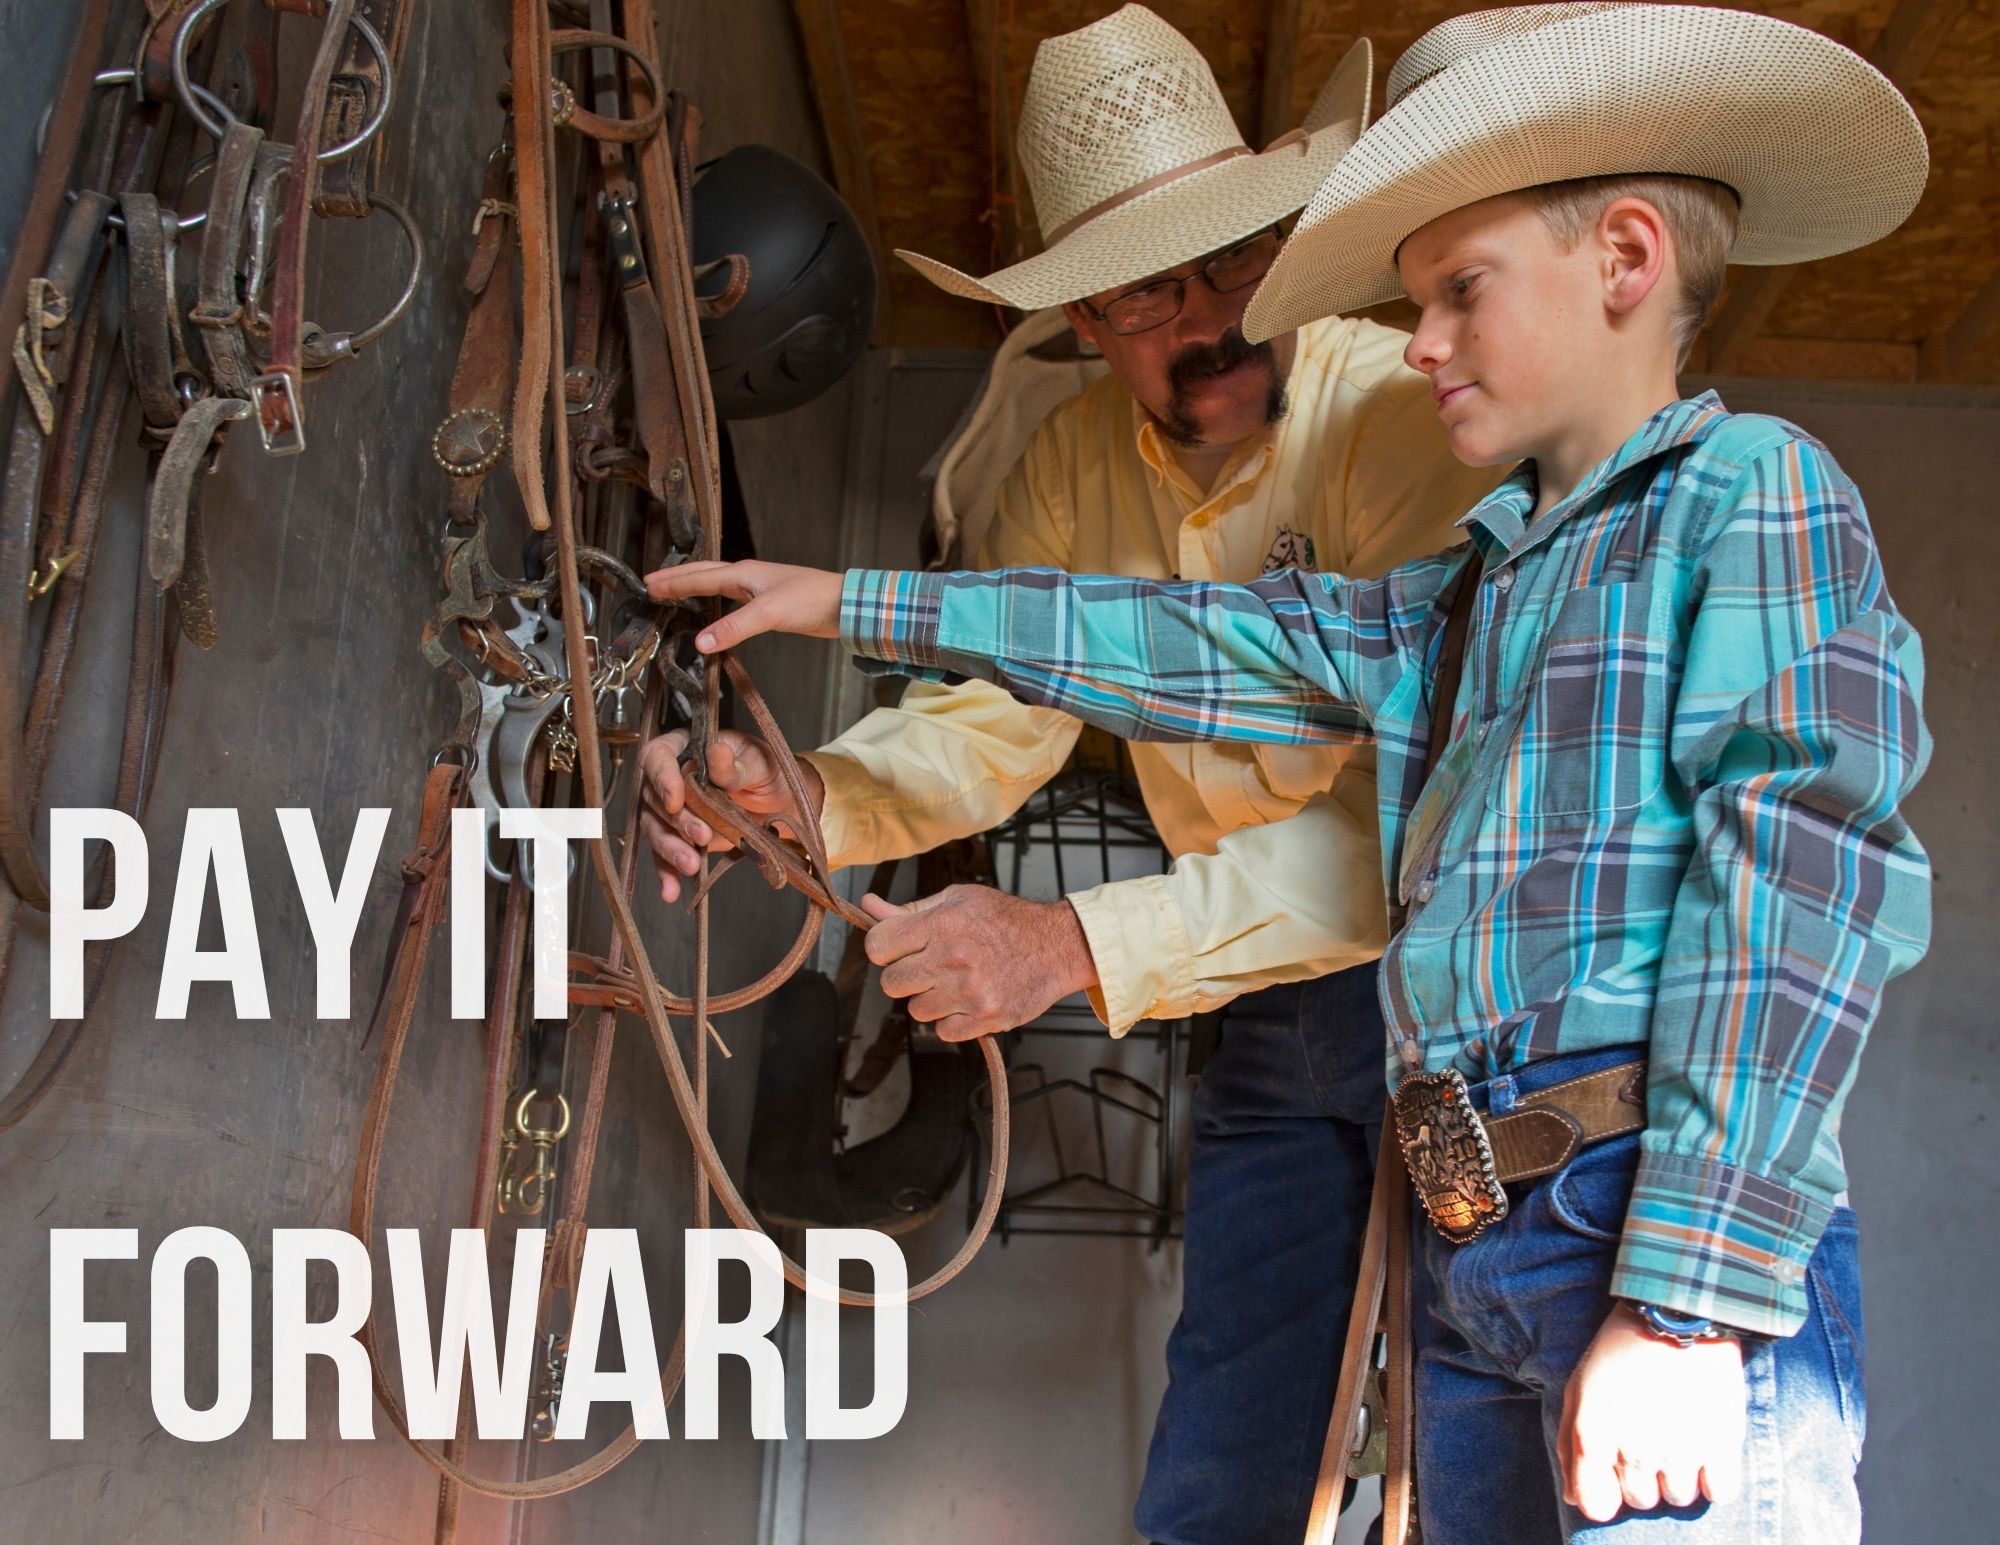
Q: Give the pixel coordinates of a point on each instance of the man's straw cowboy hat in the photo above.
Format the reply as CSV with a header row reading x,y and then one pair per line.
x,y
1136,166
1822,150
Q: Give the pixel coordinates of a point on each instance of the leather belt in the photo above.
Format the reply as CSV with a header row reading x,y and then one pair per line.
x,y
1461,1162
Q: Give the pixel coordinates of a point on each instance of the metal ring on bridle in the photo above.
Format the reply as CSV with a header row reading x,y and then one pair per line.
x,y
191,222
569,40
218,125
129,78
395,313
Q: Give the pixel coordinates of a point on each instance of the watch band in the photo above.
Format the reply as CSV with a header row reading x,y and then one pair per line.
x,y
1683,1330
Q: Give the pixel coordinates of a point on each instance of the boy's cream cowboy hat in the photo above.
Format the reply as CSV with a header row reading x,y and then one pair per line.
x,y
1822,150
1136,166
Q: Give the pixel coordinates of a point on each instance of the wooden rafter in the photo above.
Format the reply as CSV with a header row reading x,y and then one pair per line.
x,y
846,148
1911,39
1012,229
1281,47
1957,350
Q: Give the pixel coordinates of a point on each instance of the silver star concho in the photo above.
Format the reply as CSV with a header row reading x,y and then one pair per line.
x,y
470,442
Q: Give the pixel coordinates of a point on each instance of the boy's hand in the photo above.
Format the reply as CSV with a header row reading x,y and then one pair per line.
x,y
738,764
776,597
1645,1421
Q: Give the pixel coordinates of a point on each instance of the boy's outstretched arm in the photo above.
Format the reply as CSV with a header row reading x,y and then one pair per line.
x,y
1797,734
1291,657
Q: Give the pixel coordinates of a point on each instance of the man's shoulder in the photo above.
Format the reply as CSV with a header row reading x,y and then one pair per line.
x,y
1362,354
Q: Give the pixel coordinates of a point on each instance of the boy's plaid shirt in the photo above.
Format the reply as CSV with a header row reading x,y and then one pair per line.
x,y
1668,812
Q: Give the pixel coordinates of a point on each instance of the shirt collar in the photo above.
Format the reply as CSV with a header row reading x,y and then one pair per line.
x,y
1502,516
1249,459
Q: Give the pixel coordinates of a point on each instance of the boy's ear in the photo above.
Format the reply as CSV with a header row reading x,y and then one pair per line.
x,y
1635,252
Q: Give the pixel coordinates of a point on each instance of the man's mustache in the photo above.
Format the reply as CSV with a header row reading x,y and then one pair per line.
x,y
1211,359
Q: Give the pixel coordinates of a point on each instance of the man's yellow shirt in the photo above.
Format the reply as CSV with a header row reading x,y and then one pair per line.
x,y
1277,872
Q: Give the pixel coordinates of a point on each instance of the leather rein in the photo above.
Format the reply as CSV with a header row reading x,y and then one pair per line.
x,y
600,408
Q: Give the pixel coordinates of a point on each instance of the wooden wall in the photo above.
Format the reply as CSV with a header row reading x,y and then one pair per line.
x,y
317,696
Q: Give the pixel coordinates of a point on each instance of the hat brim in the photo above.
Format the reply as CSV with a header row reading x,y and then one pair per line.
x,y
1823,151
1183,219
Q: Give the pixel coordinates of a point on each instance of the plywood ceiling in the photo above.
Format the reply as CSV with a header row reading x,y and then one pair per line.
x,y
920,139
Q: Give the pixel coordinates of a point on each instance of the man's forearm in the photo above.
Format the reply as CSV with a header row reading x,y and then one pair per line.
x,y
944,763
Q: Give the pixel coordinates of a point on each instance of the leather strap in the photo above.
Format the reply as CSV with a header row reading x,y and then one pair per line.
x,y
76,387
1357,1360
1545,1129
150,310
172,490
1451,662
624,979
1382,1293
356,87
473,436
275,391
218,310
60,145
59,304
1399,1481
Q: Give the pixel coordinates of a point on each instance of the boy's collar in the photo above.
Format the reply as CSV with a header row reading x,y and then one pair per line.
x,y
1502,517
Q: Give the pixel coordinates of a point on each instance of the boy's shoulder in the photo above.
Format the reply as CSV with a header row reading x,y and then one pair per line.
x,y
1739,439
1745,460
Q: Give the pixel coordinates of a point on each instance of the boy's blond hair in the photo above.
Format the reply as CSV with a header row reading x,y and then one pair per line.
x,y
1700,215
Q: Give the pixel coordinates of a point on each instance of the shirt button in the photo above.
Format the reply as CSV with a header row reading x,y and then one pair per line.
x,y
1426,888
1412,1056
1788,1271
1504,581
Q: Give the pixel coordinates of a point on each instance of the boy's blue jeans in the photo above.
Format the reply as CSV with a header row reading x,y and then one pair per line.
x,y
1286,1120
1500,1324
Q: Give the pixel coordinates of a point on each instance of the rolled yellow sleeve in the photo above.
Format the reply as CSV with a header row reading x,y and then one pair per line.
x,y
946,762
953,761
1280,902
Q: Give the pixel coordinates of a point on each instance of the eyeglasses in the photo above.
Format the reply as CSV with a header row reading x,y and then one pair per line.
x,y
1152,305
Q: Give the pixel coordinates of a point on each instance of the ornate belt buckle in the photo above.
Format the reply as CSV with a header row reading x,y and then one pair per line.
x,y
1450,1161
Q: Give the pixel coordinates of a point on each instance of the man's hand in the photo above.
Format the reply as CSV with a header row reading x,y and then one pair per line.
x,y
1645,1421
738,764
776,597
974,960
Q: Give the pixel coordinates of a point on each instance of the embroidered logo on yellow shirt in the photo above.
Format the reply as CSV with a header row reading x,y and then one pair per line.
x,y
1292,550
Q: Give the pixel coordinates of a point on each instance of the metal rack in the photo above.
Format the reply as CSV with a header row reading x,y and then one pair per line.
x,y
1081,817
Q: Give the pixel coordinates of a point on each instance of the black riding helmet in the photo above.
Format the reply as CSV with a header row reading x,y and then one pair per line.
x,y
811,302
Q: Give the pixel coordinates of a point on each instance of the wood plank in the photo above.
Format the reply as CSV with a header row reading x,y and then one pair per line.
x,y
1752,299
846,148
1960,351
1913,36
1826,359
1281,50
1914,32
1013,224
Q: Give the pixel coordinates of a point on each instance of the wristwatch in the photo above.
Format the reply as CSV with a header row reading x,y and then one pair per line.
x,y
1683,1330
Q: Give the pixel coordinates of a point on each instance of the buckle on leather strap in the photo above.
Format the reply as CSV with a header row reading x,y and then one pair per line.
x,y
1450,1160
276,397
